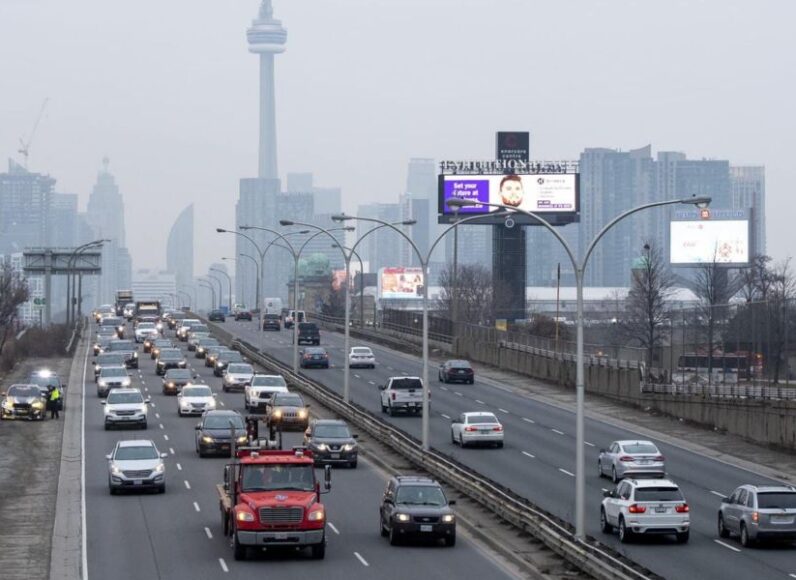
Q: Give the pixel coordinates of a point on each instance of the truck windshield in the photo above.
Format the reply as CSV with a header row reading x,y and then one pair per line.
x,y
278,477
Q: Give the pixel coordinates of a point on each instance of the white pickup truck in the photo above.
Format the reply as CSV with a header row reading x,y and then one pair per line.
x,y
262,388
403,394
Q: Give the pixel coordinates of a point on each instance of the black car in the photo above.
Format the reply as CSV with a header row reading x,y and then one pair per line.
x,y
174,319
314,356
202,345
212,352
158,345
107,359
128,348
331,442
243,315
223,360
414,506
170,358
456,371
176,379
272,322
308,333
217,316
213,434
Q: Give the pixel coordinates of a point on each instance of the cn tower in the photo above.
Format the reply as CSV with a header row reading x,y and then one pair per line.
x,y
267,37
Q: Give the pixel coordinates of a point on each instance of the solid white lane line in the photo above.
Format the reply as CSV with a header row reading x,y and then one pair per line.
x,y
502,410
445,416
589,444
166,437
179,467
565,472
528,455
208,533
733,548
223,564
187,484
457,393
361,559
527,420
196,506
480,402
331,526
792,575
557,431
171,450
717,493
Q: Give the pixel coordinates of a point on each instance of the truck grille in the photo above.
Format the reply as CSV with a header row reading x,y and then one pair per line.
x,y
139,474
281,515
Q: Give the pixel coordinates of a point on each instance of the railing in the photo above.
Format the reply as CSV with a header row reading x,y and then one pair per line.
x,y
722,391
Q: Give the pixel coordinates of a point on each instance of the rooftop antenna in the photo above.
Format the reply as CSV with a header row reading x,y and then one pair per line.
x,y
26,143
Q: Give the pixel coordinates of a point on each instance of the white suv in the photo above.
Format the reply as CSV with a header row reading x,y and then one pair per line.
x,y
261,389
645,506
125,407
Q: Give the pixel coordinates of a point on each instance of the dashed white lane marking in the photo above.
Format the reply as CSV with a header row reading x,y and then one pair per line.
x,y
196,506
565,472
361,559
223,564
357,376
502,410
733,548
557,431
331,526
457,393
371,382
717,493
171,450
445,416
146,389
390,369
179,467
187,484
589,444
444,388
792,575
166,437
153,404
404,373
526,454
161,426
527,420
157,415
143,382
480,402
208,533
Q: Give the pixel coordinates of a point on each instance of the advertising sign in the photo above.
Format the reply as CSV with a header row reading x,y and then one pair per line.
x,y
338,279
707,240
400,283
513,145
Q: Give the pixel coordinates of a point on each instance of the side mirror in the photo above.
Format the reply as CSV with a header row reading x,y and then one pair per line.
x,y
327,477
103,402
603,451
198,427
147,400
164,455
382,387
227,472
109,456
608,493
725,500
452,502
215,395
355,436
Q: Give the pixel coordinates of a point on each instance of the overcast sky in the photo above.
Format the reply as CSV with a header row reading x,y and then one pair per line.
x,y
167,89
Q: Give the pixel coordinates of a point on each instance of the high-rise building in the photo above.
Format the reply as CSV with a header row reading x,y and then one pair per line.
x,y
179,249
748,186
382,248
25,199
153,285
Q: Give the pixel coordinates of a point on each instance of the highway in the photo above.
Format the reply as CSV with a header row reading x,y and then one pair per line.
x,y
538,460
178,534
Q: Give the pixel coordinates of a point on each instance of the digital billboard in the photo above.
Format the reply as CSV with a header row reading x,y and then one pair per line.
x,y
400,283
704,241
548,194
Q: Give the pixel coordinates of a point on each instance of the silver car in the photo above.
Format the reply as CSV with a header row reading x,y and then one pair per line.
x,y
759,512
237,377
136,464
631,458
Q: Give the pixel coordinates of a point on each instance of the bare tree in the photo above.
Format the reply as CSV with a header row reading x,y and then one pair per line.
x,y
13,293
646,311
474,293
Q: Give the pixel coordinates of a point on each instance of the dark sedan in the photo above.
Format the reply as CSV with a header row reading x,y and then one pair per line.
x,y
331,442
214,433
170,358
243,315
314,357
223,360
456,371
272,322
217,316
202,345
176,379
158,345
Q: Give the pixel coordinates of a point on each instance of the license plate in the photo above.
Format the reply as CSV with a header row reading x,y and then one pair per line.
x,y
426,528
484,431
280,535
644,461
781,519
137,482
661,510
225,447
335,456
126,418
413,404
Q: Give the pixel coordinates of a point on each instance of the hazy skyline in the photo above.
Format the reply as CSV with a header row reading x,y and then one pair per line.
x,y
169,92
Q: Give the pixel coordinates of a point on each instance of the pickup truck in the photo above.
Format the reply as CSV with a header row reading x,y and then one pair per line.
x,y
308,333
262,388
403,394
128,349
271,498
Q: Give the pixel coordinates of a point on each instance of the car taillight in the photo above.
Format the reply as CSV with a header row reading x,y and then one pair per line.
x,y
637,509
470,429
659,458
682,508
498,428
626,458
755,517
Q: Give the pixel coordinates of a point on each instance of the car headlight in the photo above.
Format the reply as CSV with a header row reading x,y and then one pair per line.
x,y
218,364
206,439
245,516
320,446
102,383
120,328
170,385
160,468
135,354
302,413
316,515
349,446
211,404
243,439
277,414
126,382
142,409
7,404
38,405
115,470
402,517
447,519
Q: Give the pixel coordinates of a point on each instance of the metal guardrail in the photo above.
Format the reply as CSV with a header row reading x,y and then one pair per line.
x,y
589,556
75,334
761,392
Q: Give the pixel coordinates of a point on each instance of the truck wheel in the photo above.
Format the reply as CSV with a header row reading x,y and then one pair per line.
x,y
383,408
239,549
382,531
390,411
319,550
450,541
224,519
394,539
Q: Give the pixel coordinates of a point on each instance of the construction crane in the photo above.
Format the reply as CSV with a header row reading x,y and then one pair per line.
x,y
26,143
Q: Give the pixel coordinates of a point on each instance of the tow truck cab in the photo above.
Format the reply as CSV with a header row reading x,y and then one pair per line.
x,y
270,498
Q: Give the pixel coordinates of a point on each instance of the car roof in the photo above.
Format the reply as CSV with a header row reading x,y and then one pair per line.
x,y
402,377
772,488
473,413
127,391
136,443
653,483
416,480
109,367
222,413
330,422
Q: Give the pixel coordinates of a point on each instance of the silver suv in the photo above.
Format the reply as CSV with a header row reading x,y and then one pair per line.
x,y
136,464
759,512
646,506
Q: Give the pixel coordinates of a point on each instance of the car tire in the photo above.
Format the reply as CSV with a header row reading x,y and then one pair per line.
x,y
318,551
439,377
625,535
179,412
746,541
461,441
723,531
239,550
352,464
390,411
605,526
112,490
393,537
453,437
450,541
144,425
614,477
382,529
162,488
107,427
682,537
383,408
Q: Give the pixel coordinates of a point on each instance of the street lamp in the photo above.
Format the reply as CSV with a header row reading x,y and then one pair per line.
x,y
229,279
580,473
212,278
70,290
259,265
206,284
424,260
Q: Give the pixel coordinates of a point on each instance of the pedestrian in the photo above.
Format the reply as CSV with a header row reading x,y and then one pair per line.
x,y
54,402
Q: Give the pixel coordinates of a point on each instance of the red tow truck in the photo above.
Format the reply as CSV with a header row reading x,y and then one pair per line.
x,y
270,498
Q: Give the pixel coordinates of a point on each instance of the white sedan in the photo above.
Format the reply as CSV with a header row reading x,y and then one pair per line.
x,y
195,400
477,428
361,356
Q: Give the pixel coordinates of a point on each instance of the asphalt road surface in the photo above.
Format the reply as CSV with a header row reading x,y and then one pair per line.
x,y
178,534
538,460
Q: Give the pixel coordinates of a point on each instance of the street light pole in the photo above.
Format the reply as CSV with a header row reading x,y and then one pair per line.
x,y
212,277
259,266
580,267
70,290
209,285
229,279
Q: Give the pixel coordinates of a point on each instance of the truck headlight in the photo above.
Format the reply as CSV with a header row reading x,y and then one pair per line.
x,y
447,519
278,414
245,517
302,413
402,517
316,515
321,447
349,447
142,409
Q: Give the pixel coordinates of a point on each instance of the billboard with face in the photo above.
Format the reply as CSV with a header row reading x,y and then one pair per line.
x,y
401,283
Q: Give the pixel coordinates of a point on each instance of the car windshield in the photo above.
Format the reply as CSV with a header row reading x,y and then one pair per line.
x,y
121,345
779,499
223,421
288,400
208,342
332,431
116,398
241,368
106,331
163,343
407,384
420,495
170,354
231,357
639,448
272,317
146,325
268,382
307,326
113,372
275,477
111,322
361,351
24,391
197,392
199,328
314,351
482,418
178,374
659,494
138,452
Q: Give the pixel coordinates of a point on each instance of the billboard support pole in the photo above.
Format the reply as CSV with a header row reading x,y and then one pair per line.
x,y
580,387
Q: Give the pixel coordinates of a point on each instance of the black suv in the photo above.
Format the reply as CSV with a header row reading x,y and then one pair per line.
x,y
309,333
217,316
214,433
331,442
415,506
272,322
